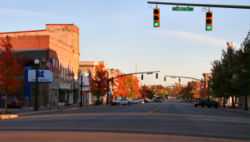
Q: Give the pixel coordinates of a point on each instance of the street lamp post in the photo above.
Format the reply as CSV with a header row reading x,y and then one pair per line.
x,y
109,90
81,87
36,103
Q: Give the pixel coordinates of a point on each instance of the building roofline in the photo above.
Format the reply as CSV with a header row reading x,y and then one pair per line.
x,y
39,30
91,62
15,32
30,49
60,24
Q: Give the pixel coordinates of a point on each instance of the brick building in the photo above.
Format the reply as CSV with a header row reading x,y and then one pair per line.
x,y
57,48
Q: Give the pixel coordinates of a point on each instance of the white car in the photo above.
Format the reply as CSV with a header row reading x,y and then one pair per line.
x,y
139,101
123,102
120,102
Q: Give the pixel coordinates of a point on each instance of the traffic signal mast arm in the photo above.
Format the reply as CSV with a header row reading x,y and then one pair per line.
x,y
134,73
200,5
186,77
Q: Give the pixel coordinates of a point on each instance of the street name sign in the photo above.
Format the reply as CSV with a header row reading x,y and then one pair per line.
x,y
183,8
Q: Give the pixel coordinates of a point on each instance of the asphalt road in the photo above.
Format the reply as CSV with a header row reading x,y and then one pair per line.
x,y
161,119
101,137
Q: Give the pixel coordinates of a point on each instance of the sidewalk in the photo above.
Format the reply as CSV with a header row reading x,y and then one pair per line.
x,y
25,111
236,110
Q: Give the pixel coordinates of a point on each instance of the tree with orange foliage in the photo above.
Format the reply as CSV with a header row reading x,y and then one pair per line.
x,y
99,83
120,89
191,91
177,89
154,90
127,87
10,70
160,90
147,92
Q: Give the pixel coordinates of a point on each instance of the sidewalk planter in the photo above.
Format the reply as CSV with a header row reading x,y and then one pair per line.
x,y
8,116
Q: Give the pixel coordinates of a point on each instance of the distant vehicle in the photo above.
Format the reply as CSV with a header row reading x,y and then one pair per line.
x,y
206,103
141,101
120,102
123,102
127,102
158,100
147,100
115,102
138,101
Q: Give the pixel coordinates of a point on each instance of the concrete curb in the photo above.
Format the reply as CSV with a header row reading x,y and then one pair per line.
x,y
8,116
45,111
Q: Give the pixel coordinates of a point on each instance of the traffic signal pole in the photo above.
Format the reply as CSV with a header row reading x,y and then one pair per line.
x,y
201,5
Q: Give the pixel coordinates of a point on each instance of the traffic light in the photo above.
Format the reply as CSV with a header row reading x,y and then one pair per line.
x,y
165,78
209,21
156,75
141,76
156,18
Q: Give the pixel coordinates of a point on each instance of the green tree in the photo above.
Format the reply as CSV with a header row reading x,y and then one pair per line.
x,y
228,68
231,75
217,82
244,70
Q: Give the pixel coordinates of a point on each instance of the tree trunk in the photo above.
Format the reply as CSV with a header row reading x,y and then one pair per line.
x,y
98,101
224,101
233,101
246,103
6,103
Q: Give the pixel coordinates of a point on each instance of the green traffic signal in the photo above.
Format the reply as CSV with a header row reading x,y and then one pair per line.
x,y
156,24
209,21
209,28
156,18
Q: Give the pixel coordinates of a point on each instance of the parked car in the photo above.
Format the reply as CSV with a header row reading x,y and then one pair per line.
x,y
206,103
13,102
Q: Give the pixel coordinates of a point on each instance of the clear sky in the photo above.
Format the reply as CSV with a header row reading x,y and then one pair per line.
x,y
120,32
